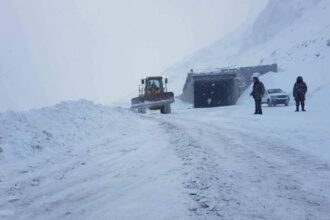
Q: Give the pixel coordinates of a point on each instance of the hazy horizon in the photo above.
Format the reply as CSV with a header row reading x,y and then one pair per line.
x,y
58,50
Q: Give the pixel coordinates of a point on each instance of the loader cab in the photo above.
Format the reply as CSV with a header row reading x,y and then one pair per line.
x,y
153,85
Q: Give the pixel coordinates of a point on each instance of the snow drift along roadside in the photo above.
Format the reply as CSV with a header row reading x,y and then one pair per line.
x,y
78,160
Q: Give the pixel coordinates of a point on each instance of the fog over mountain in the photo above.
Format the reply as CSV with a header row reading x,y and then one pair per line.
x,y
293,34
69,49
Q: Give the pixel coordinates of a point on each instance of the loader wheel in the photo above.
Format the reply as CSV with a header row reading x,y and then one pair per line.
x,y
165,109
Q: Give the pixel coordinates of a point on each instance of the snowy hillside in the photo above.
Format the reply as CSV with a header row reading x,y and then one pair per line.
x,y
293,34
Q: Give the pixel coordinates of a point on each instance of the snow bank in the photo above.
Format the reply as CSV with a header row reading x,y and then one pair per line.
x,y
79,160
52,129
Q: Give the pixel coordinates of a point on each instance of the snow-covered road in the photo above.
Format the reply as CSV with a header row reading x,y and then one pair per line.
x,y
241,166
78,160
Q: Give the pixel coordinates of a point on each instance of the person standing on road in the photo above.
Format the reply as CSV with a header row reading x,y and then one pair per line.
x,y
257,93
299,93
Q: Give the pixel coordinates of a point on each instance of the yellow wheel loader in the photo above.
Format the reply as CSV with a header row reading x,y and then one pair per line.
x,y
153,95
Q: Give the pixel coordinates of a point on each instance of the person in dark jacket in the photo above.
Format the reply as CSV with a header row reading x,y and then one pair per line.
x,y
257,93
299,93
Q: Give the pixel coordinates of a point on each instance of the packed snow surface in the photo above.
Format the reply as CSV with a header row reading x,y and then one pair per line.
x,y
67,160
78,160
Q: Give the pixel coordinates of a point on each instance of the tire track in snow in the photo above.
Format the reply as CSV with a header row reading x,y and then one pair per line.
x,y
204,183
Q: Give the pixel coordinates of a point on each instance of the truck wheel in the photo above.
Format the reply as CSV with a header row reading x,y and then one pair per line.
x,y
165,109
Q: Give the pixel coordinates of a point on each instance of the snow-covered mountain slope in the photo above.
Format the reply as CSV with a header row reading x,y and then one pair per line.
x,y
293,34
277,16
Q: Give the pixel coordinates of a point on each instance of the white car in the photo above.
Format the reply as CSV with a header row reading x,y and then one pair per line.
x,y
274,97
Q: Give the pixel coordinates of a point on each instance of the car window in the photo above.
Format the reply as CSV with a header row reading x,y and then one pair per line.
x,y
270,91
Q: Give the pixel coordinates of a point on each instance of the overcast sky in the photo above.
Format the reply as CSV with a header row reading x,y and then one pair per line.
x,y
55,50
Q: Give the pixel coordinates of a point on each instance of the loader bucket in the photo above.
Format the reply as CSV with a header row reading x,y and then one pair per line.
x,y
153,101
159,96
